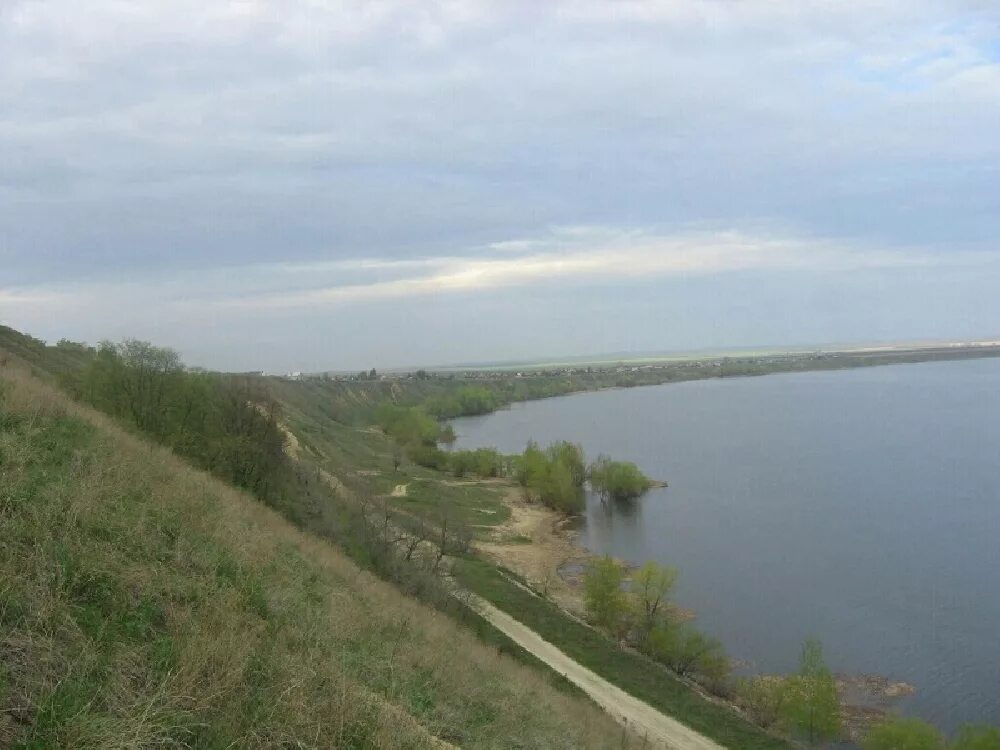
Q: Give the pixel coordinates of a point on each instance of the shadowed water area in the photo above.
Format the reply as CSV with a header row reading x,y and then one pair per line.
x,y
861,507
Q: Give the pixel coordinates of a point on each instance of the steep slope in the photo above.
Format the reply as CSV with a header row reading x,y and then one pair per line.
x,y
143,603
52,359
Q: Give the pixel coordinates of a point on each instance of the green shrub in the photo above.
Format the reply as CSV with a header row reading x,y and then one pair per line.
x,y
810,707
428,456
467,400
408,424
688,652
602,593
483,462
762,697
618,480
554,476
227,425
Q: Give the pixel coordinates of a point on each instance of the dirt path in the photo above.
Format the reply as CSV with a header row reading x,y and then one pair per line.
x,y
640,718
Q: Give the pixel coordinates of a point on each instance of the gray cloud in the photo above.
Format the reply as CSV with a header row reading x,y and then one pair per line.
x,y
201,141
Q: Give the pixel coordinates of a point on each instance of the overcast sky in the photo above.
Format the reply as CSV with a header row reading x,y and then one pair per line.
x,y
306,184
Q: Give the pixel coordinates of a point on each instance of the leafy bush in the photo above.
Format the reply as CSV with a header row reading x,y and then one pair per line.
x,y
571,456
428,456
618,480
602,592
554,476
225,424
810,707
483,462
408,424
762,697
688,651
640,616
465,401
532,466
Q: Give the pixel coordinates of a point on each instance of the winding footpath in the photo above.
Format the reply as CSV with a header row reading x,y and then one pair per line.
x,y
640,718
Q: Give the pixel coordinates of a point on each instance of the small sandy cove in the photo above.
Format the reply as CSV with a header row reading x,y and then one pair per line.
x,y
537,543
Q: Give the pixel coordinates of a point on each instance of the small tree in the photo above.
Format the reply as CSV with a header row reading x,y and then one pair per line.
x,y
558,490
762,697
532,466
602,592
618,480
688,652
419,533
811,707
571,456
650,585
904,734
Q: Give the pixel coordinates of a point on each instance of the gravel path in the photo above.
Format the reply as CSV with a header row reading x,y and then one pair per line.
x,y
640,718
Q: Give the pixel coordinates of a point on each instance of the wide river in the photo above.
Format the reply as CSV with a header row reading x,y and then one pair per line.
x,y
861,507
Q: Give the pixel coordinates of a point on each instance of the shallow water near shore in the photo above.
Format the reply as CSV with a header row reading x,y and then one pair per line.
x,y
861,507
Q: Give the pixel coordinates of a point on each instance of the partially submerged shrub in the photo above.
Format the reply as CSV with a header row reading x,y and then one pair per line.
x,y
618,480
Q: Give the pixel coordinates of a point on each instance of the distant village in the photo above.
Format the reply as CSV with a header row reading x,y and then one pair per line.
x,y
566,371
946,350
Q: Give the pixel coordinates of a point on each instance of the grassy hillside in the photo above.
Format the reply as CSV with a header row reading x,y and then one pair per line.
x,y
55,359
158,606
143,603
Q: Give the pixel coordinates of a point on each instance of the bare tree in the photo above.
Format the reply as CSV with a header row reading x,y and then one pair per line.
x,y
418,535
442,543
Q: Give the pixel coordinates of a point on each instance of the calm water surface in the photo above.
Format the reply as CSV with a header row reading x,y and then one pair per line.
x,y
861,507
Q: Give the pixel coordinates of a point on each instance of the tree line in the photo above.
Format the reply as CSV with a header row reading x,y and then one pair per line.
x,y
555,476
634,609
465,401
225,424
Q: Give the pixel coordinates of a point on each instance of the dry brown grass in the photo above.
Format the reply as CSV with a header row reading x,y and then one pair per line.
x,y
145,604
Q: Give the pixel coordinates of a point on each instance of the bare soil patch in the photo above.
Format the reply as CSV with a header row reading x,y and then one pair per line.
x,y
539,544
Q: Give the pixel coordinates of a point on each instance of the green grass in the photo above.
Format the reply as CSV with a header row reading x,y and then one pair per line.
x,y
51,359
143,604
473,505
630,671
362,459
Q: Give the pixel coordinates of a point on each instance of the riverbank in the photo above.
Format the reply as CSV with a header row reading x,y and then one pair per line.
x,y
632,672
545,555
540,545
716,503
